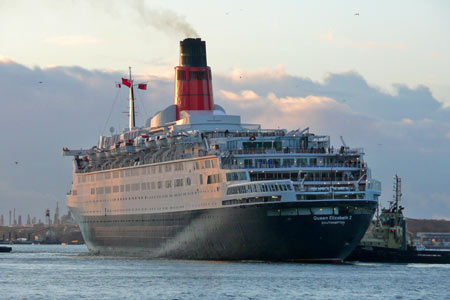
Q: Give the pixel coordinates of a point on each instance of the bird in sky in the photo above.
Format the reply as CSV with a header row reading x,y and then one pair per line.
x,y
16,162
39,81
357,14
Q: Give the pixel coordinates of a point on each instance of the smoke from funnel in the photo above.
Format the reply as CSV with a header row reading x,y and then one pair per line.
x,y
164,20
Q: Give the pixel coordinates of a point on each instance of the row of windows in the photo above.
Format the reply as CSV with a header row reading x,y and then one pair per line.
x,y
330,196
236,176
135,187
251,200
205,164
215,178
303,211
197,165
259,188
300,162
193,75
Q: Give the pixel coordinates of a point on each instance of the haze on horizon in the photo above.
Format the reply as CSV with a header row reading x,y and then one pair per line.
x,y
380,79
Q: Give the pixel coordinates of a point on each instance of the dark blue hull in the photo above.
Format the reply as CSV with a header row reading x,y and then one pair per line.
x,y
271,231
409,256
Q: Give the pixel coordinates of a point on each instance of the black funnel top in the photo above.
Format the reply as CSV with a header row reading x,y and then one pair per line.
x,y
193,53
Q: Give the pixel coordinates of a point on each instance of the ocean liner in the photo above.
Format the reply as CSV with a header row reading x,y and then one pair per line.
x,y
196,183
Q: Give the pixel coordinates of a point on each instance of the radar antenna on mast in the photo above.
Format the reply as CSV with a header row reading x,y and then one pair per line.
x,y
397,189
132,117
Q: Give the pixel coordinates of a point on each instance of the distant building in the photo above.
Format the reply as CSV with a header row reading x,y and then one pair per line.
x,y
28,220
19,222
67,219
1,220
56,217
434,240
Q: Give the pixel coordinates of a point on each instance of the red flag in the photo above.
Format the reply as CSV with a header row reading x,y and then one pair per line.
x,y
118,85
142,86
127,82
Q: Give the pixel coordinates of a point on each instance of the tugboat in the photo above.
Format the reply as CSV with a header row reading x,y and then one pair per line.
x,y
388,241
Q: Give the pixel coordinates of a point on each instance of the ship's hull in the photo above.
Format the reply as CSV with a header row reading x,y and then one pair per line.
x,y
271,231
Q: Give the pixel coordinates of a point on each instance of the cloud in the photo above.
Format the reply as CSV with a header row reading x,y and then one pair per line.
x,y
343,41
328,36
72,40
246,95
434,54
406,132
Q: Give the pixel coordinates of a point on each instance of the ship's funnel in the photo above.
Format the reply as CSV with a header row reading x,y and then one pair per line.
x,y
193,84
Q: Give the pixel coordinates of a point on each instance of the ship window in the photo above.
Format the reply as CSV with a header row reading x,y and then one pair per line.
x,y
107,189
236,176
322,210
213,163
207,164
159,184
197,75
143,186
288,162
91,178
188,181
302,161
107,175
122,188
178,167
213,179
115,189
178,182
99,190
127,188
135,187
261,163
181,75
201,178
304,211
275,163
248,163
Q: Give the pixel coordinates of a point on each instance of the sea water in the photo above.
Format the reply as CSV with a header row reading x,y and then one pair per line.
x,y
69,272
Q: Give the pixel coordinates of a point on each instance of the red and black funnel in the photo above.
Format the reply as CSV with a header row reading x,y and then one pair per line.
x,y
193,84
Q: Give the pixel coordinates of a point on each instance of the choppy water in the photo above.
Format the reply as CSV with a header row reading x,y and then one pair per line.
x,y
68,272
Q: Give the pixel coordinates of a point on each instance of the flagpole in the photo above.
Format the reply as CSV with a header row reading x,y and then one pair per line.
x,y
131,120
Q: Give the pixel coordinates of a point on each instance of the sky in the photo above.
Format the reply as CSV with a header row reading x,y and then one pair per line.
x,y
376,73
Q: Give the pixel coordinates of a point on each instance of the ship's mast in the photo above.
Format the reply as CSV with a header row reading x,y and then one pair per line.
x,y
397,193
131,117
